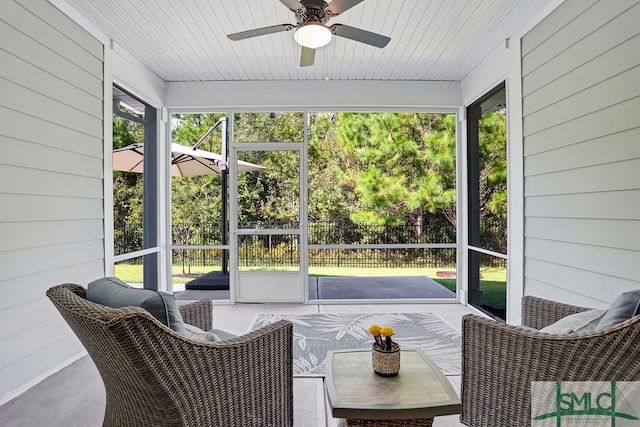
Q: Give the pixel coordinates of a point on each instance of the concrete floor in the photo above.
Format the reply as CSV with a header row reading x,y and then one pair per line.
x,y
80,387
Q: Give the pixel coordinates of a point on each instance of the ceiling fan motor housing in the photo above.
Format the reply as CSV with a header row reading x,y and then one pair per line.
x,y
313,11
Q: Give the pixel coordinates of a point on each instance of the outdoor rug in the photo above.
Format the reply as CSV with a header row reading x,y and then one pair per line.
x,y
315,334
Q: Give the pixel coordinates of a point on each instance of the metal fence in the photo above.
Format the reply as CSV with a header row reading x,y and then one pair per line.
x,y
283,250
288,255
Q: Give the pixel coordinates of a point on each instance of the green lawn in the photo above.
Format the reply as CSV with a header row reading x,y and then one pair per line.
x,y
493,282
493,292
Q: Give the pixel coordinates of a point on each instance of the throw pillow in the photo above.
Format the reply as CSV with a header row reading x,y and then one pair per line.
x,y
197,334
624,307
585,321
113,292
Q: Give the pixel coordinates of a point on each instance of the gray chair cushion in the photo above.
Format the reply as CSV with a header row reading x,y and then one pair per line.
x,y
624,307
113,292
585,321
223,335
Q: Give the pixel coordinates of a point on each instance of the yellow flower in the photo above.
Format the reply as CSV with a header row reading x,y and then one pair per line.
x,y
375,330
387,331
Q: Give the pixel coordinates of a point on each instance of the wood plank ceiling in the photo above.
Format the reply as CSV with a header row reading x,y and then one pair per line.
x,y
185,40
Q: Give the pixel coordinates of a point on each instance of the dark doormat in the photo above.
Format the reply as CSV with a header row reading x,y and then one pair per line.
x,y
391,287
214,281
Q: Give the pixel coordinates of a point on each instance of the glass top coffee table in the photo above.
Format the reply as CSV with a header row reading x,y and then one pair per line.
x,y
418,393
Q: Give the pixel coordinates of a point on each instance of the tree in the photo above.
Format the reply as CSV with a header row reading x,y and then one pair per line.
x,y
126,132
403,164
197,199
330,195
127,186
273,194
493,164
268,195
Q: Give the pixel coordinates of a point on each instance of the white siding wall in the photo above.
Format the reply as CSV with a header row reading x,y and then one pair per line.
x,y
581,97
51,186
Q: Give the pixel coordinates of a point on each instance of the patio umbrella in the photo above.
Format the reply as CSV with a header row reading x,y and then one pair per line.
x,y
185,161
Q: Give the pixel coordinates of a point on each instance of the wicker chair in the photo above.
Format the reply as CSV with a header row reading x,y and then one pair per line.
x,y
500,361
156,377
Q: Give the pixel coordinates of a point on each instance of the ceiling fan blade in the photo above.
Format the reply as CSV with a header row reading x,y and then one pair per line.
x,y
260,31
336,7
359,35
292,4
307,56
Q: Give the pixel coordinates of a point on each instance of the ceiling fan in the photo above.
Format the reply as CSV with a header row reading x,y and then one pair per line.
x,y
311,31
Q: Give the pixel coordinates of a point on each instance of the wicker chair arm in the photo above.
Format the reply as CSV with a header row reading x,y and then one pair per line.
x,y
199,313
500,361
539,312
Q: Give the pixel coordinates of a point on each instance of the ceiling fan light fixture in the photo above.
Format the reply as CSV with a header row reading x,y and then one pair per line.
x,y
312,35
